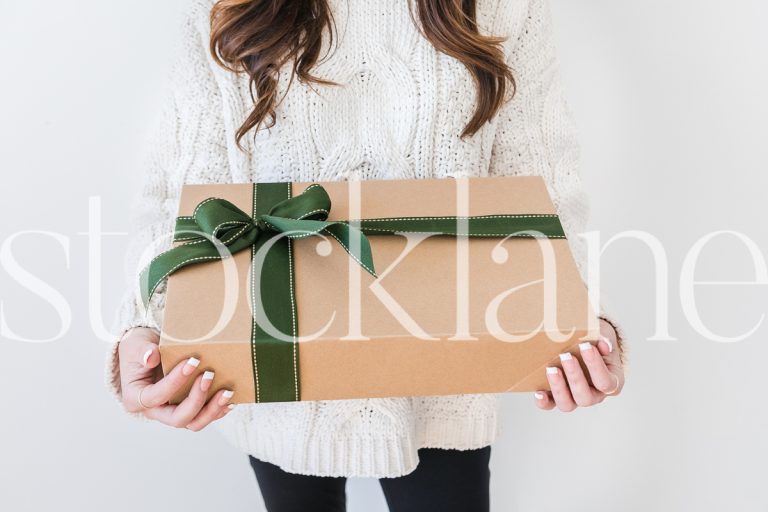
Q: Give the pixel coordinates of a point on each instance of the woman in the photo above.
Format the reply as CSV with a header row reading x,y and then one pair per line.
x,y
382,90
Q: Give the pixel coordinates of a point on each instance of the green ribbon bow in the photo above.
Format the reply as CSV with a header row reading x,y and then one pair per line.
x,y
218,229
217,224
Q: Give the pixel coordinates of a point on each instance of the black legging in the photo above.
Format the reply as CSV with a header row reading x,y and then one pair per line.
x,y
444,481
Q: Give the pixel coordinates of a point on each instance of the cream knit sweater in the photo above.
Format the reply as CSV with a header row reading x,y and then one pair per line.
x,y
398,114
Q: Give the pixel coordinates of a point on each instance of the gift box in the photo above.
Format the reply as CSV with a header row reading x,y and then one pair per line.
x,y
342,290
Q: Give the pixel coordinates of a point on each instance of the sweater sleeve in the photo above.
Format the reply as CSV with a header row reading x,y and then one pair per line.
x,y
188,145
536,133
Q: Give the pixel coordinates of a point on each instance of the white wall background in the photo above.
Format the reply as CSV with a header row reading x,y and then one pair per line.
x,y
670,96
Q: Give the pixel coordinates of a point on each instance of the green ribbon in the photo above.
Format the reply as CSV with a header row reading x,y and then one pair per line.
x,y
218,229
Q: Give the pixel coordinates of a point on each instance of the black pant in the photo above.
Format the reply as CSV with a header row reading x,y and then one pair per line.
x,y
444,481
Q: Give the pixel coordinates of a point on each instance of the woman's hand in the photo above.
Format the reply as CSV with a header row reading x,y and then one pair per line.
x,y
569,385
146,391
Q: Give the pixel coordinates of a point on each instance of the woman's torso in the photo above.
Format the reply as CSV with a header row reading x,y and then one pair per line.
x,y
397,112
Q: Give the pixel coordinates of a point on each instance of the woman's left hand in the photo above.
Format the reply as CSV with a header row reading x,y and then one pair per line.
x,y
569,385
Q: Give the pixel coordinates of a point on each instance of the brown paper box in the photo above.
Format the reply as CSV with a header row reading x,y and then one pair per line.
x,y
392,363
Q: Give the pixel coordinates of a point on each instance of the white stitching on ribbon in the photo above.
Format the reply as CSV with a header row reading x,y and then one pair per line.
x,y
293,311
253,320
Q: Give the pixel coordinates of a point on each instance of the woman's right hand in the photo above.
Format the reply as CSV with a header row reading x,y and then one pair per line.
x,y
146,391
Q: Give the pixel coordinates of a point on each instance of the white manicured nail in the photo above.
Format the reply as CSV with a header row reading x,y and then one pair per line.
x,y
192,363
551,370
539,396
146,356
585,346
607,342
205,384
225,397
566,356
231,406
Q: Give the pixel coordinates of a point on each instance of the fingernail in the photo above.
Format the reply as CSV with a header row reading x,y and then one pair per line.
x,y
190,366
231,406
566,356
146,356
539,395
226,397
205,384
551,370
585,346
607,342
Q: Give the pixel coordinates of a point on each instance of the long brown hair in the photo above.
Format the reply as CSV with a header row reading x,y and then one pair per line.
x,y
258,37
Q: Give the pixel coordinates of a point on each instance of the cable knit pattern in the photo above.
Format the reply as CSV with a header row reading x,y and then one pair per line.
x,y
398,113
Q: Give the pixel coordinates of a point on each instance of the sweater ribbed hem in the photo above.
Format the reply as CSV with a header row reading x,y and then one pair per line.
x,y
458,433
360,454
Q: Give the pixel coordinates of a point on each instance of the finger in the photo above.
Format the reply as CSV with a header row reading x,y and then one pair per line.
x,y
138,345
581,391
162,414
229,408
544,400
560,391
163,390
191,406
603,379
216,408
605,345
165,413
151,357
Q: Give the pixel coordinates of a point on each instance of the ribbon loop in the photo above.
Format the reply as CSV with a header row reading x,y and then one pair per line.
x,y
312,204
220,219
